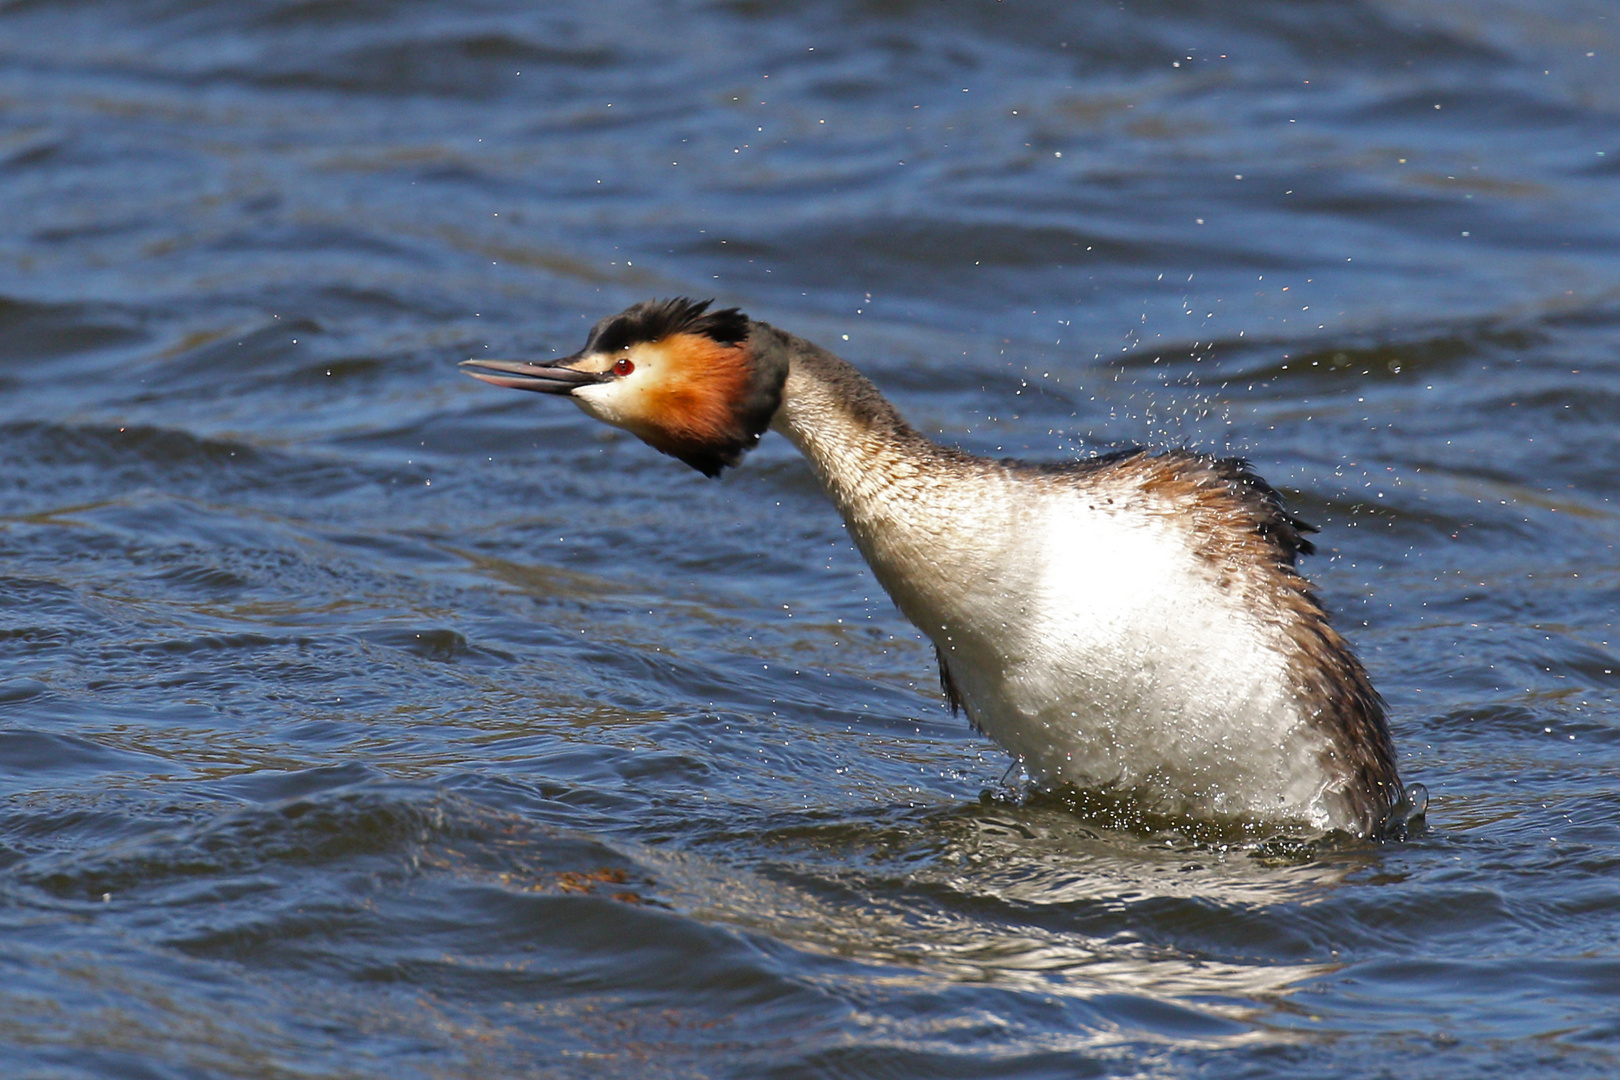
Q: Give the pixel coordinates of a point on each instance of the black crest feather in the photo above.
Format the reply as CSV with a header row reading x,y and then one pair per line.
x,y
654,320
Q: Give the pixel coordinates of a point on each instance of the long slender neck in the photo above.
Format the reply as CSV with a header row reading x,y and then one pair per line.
x,y
919,512
862,450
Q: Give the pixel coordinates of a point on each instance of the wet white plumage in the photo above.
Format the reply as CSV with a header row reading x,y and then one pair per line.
x,y
1090,643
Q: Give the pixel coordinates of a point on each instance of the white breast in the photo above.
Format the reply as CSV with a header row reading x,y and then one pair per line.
x,y
1104,655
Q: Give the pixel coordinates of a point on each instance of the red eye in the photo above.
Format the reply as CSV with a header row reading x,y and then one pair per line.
x,y
623,366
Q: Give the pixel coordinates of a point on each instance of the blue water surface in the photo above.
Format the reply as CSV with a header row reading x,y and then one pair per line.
x,y
360,720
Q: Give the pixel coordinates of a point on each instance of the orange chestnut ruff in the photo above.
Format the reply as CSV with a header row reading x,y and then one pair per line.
x,y
689,398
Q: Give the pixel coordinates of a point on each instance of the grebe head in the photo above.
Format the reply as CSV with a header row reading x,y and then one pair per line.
x,y
683,379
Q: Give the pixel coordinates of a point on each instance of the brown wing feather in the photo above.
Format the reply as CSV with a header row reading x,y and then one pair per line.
x,y
953,696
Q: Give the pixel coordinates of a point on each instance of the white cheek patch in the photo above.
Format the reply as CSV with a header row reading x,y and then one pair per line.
x,y
604,401
622,402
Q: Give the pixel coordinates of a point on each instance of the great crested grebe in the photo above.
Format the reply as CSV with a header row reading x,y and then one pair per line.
x,y
1130,624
